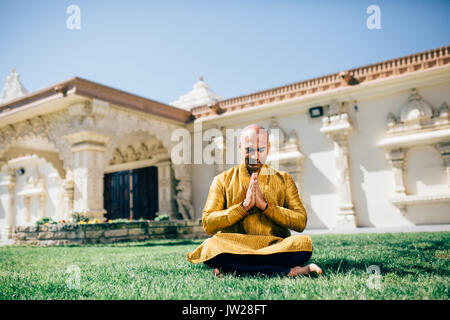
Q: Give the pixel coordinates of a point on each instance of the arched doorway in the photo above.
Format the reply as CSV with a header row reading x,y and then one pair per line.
x,y
136,182
131,194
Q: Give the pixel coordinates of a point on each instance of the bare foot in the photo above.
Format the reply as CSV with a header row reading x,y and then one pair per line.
x,y
216,273
310,269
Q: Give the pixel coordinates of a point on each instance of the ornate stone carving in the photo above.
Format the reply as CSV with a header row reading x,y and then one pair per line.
x,y
88,148
337,126
9,180
200,95
418,124
51,127
183,197
285,152
443,115
396,159
444,151
13,88
90,120
417,114
141,151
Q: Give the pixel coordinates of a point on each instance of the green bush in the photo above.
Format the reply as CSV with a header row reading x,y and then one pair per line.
x,y
45,220
77,217
162,217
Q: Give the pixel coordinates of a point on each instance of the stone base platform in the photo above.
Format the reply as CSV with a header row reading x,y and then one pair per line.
x,y
67,234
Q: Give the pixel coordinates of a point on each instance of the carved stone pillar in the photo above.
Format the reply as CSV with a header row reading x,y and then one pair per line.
x,y
42,203
346,213
88,149
166,190
69,192
444,150
10,181
35,187
396,159
27,202
337,127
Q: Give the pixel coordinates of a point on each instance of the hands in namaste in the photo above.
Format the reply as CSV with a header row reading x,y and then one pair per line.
x,y
254,195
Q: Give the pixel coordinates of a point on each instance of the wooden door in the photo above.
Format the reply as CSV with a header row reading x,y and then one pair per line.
x,y
145,193
116,195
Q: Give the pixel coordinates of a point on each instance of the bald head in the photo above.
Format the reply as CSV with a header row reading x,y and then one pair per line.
x,y
254,129
254,146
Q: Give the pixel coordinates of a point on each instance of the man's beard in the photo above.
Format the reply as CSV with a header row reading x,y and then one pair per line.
x,y
253,166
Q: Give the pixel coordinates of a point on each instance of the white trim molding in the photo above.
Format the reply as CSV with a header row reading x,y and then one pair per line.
x,y
417,125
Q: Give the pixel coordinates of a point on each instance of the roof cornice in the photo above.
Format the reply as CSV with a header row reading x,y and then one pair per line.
x,y
90,89
413,63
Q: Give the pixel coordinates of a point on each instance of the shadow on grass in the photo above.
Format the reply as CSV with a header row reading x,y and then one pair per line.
x,y
340,266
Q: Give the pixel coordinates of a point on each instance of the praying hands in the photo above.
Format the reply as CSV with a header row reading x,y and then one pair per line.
x,y
254,195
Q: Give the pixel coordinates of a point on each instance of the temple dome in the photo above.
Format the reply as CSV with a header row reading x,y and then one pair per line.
x,y
199,96
13,88
416,109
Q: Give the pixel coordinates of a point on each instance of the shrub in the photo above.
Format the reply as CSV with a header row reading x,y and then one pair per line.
x,y
162,217
78,217
45,220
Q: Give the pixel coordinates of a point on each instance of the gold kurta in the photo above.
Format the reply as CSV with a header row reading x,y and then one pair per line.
x,y
255,232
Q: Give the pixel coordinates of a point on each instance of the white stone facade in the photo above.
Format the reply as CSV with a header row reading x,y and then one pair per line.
x,y
379,156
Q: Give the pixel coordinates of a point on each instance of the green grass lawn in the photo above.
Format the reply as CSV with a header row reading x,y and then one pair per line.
x,y
412,266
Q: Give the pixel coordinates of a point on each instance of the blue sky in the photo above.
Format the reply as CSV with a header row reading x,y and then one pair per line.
x,y
157,49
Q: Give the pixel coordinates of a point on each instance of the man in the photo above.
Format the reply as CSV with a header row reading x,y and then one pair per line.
x,y
249,210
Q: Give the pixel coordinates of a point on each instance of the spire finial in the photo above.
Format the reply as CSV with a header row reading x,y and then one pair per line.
x,y
13,88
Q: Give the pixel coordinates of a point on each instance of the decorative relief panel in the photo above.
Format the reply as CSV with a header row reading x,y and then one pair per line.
x,y
417,124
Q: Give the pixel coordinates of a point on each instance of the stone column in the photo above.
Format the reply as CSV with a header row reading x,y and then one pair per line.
x,y
166,190
346,214
10,181
68,186
337,127
27,202
396,159
444,150
43,202
88,149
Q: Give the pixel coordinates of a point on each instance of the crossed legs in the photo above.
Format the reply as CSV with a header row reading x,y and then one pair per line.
x,y
282,263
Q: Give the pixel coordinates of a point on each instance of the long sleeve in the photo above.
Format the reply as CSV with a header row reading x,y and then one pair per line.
x,y
293,214
215,216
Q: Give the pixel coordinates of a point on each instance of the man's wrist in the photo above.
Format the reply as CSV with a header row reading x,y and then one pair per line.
x,y
265,206
245,207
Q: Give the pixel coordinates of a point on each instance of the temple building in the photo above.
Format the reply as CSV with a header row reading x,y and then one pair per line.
x,y
367,147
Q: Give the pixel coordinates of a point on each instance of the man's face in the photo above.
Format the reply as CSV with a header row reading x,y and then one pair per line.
x,y
254,148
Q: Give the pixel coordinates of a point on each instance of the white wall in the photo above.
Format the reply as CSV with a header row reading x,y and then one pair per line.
x,y
371,176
